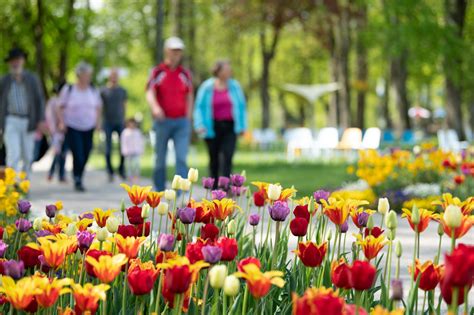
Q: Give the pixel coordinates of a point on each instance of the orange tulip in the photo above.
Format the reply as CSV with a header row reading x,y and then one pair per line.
x,y
101,216
425,217
153,198
318,301
259,283
129,245
73,243
53,228
50,289
19,294
430,274
141,277
467,206
88,296
466,223
338,209
106,268
221,209
54,252
83,224
137,194
371,246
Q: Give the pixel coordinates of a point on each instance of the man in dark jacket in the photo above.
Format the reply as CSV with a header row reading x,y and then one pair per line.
x,y
21,111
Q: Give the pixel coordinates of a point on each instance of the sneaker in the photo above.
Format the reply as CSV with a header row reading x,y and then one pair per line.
x,y
79,188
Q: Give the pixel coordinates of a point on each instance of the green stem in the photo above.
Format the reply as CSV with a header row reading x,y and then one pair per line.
x,y
152,224
216,302
206,288
439,250
224,304
339,242
244,304
158,294
357,302
466,298
275,248
454,300
453,240
124,291
388,266
424,302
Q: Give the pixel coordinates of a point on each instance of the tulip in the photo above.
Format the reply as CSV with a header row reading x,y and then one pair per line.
x,y
166,242
319,301
344,227
279,211
20,294
51,211
129,245
221,209
185,184
238,191
175,184
179,274
84,240
162,208
231,227
24,206
248,260
340,274
170,194
383,206
95,254
14,269
217,276
218,194
258,283
397,290
193,175
231,285
229,248
141,277
375,232
112,225
145,211
71,229
186,215
430,275
254,219
371,246
337,210
452,216
362,275
102,234
209,232
274,191
208,182
2,230
259,198
223,182
23,225
153,198
136,193
88,296
370,223
237,180
50,290
134,215
194,251
106,268
299,226
3,248
459,266
391,220
311,254
398,249
211,254
321,195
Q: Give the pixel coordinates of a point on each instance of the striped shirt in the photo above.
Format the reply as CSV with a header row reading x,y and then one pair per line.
x,y
17,99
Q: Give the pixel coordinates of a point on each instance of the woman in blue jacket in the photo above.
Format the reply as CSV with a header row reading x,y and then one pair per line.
x,y
219,117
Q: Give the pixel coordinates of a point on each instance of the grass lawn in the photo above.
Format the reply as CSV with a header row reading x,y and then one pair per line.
x,y
306,176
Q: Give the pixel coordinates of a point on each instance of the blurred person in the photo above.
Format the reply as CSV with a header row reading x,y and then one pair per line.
x,y
21,111
114,99
132,147
170,96
220,115
79,114
57,136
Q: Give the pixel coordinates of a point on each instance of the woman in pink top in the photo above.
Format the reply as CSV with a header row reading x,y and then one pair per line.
x,y
79,115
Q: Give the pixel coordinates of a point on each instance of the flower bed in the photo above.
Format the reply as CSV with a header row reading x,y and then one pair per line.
x,y
165,252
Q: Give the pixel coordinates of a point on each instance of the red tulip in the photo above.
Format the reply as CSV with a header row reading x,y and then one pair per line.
x,y
430,275
459,266
29,256
139,229
178,279
96,254
203,215
375,232
459,179
141,277
127,231
350,309
229,248
248,260
317,301
1,232
302,212
259,198
134,215
311,254
447,291
299,226
362,275
340,274
193,250
209,232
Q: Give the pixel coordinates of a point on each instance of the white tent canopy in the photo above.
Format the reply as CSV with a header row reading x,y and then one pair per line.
x,y
311,92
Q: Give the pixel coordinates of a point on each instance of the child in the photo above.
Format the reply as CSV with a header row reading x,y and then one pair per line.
x,y
132,147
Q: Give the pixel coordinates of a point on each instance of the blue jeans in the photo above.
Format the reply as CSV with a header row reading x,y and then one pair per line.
x,y
109,129
178,130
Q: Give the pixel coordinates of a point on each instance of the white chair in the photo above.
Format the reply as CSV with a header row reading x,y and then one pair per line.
x,y
298,139
371,139
448,140
351,139
327,140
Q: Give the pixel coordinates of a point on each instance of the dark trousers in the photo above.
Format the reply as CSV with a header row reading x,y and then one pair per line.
x,y
109,129
80,143
59,162
221,149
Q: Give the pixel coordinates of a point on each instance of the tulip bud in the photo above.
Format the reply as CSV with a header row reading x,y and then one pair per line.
x,y
231,285
38,224
453,216
370,223
162,208
440,229
175,184
112,224
231,227
71,229
193,175
217,276
392,234
102,234
170,194
145,211
185,184
397,290
383,206
391,220
311,206
398,249
274,191
329,236
415,215
344,227
122,206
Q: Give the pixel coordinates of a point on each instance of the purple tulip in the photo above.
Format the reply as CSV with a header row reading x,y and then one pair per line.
x,y
397,290
362,219
3,248
166,242
86,215
279,211
208,182
187,215
321,194
51,211
223,182
14,269
24,206
218,194
84,239
254,219
23,225
43,233
43,261
211,254
237,180
238,190
344,227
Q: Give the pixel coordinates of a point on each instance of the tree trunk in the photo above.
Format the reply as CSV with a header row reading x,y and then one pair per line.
x,y
264,93
64,45
385,104
333,113
192,53
362,71
160,17
177,7
455,18
39,45
398,76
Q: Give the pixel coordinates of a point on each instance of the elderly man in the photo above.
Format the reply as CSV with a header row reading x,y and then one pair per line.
x,y
170,96
21,111
114,99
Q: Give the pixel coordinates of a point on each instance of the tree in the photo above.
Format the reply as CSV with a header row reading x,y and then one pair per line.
x,y
361,65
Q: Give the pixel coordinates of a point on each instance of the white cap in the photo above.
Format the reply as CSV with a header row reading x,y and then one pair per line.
x,y
174,43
